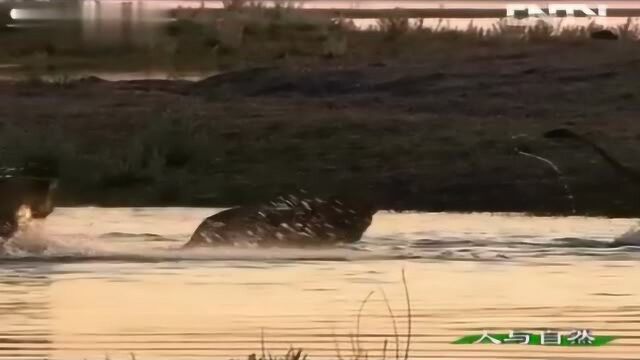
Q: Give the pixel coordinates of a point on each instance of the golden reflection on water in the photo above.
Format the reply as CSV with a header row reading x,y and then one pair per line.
x,y
206,309
305,304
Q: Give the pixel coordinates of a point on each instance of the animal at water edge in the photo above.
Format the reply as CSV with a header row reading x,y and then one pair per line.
x,y
26,192
626,172
288,221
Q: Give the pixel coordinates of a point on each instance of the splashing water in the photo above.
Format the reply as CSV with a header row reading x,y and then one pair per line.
x,y
630,237
113,281
24,216
561,178
157,235
36,241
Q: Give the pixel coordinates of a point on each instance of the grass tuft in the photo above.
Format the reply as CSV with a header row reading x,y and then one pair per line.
x,y
358,345
409,317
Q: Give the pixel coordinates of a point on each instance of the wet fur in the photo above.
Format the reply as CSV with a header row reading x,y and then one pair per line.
x,y
288,221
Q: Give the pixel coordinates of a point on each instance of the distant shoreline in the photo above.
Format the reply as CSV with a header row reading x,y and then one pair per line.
x,y
426,13
410,117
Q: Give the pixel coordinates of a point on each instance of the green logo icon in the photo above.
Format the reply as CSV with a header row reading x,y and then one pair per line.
x,y
582,337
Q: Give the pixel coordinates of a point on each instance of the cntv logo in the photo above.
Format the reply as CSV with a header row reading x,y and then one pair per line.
x,y
555,10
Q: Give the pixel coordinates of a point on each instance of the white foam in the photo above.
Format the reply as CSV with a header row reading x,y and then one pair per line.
x,y
156,235
631,237
35,242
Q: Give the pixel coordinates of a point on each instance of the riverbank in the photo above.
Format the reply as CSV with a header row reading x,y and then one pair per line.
x,y
427,132
248,34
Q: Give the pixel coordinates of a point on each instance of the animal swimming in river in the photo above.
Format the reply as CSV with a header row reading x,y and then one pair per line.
x,y
25,192
287,221
626,172
567,134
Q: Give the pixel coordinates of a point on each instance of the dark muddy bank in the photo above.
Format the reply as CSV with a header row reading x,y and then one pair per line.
x,y
435,134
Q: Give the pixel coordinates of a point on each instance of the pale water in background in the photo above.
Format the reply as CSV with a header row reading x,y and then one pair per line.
x,y
139,21
114,282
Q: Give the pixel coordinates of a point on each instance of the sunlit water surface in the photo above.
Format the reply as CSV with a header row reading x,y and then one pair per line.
x,y
114,282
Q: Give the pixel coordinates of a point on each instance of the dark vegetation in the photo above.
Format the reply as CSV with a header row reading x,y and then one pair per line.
x,y
409,117
247,34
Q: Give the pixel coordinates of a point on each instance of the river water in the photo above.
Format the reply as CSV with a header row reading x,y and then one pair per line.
x,y
113,282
